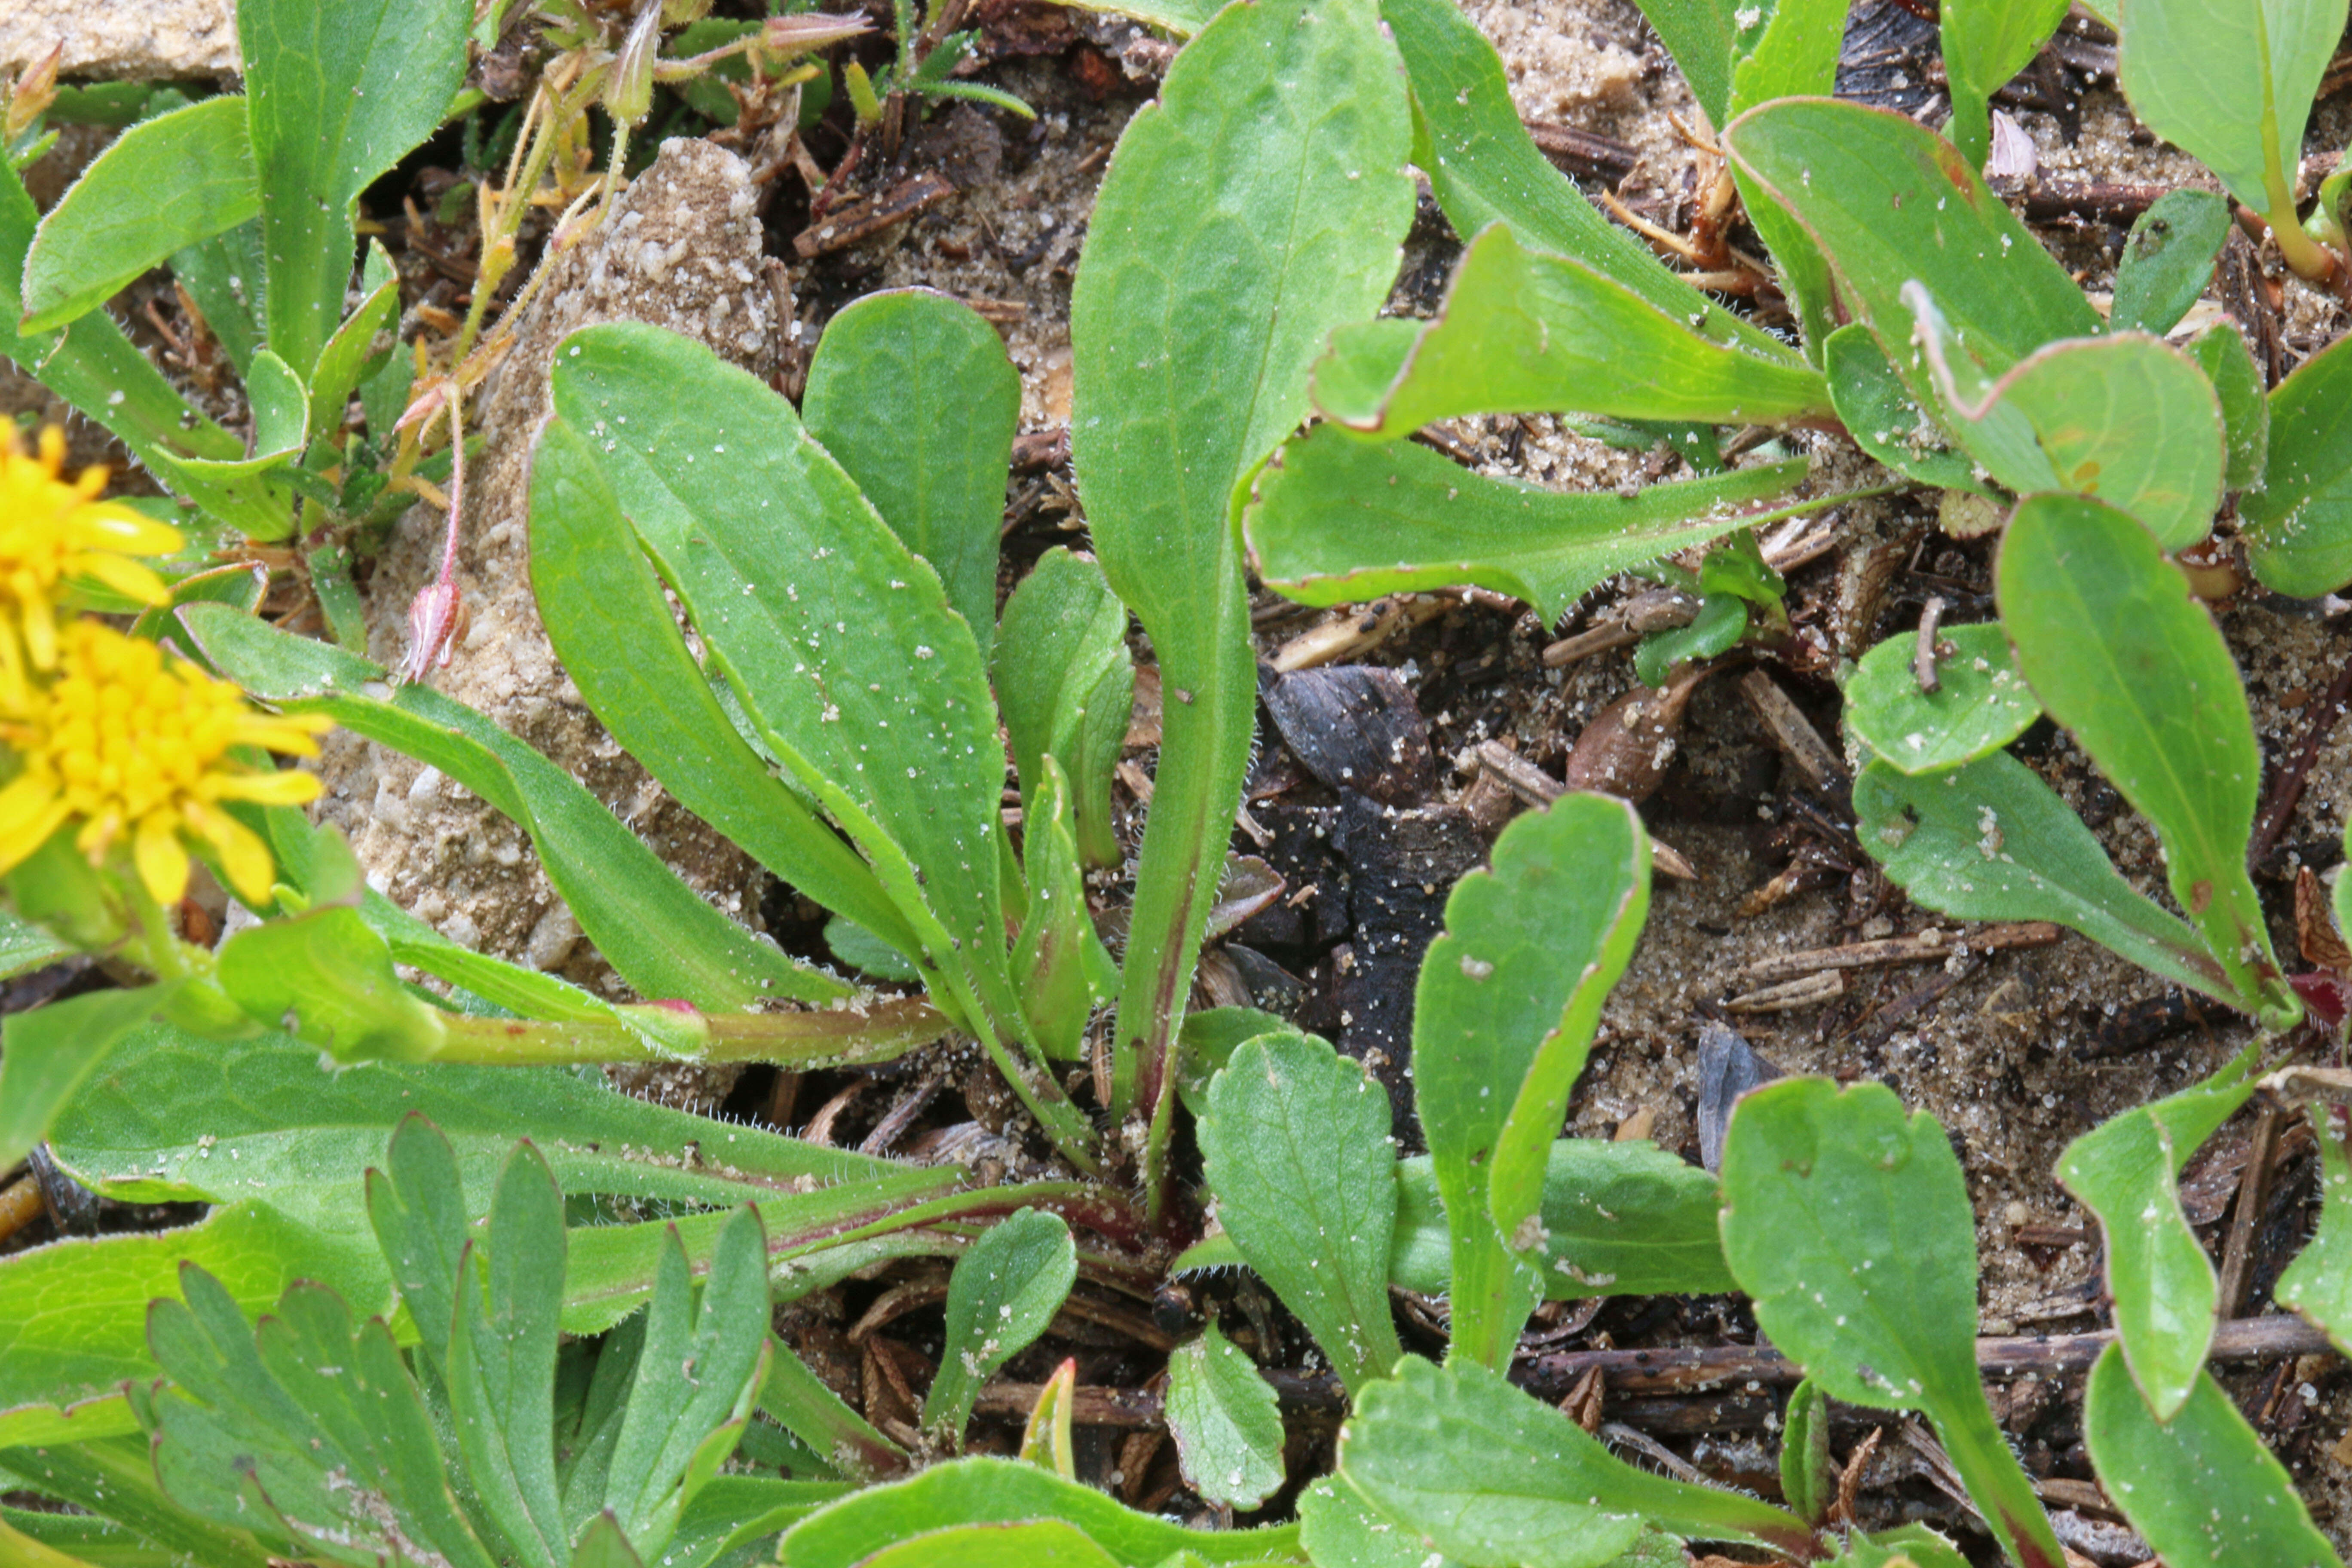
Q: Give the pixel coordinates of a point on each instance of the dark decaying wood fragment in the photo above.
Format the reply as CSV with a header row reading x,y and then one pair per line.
x,y
854,221
1355,727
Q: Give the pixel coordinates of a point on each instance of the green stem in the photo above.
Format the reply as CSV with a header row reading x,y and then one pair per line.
x,y
652,1032
2309,259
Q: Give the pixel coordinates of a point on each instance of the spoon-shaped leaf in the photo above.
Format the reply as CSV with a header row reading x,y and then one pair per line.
x,y
2231,82
335,94
1890,202
165,184
1503,1015
912,394
1850,1224
1006,1491
1991,842
2121,655
1986,42
2298,520
1225,1420
1064,684
1980,703
2168,260
1491,1475
2126,419
1003,1295
2126,1171
2203,1488
2317,1286
612,625
1296,1146
1261,203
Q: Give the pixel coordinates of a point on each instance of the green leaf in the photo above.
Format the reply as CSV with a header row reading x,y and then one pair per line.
x,y
347,351
1990,841
1063,968
501,1363
1339,520
1042,1544
604,1545
1721,622
91,365
2203,1489
164,185
175,1118
2127,1171
2121,653
1503,1016
1986,42
114,1478
23,947
2126,419
862,950
1707,38
1003,1295
1809,1479
1909,1546
222,275
48,1053
1850,1225
1890,202
734,1512
912,394
1004,1491
1064,683
702,1367
2221,353
1619,1219
2168,260
45,1539
1885,420
611,624
1226,1421
310,1403
1484,168
1980,703
796,1399
1526,333
649,925
1261,203
2231,83
1340,1529
2317,1286
1490,1475
2298,520
328,980
337,93
416,1207
839,642
1296,1147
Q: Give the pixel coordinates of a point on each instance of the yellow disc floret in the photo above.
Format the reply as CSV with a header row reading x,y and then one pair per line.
x,y
52,531
124,740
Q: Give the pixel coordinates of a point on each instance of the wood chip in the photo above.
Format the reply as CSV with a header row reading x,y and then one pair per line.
x,y
848,224
1931,946
1794,733
1825,986
1536,788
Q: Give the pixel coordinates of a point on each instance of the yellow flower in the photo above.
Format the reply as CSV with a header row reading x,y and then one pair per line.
x,y
123,740
52,531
